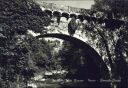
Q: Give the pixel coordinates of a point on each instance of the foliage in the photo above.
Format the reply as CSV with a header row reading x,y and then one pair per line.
x,y
16,17
115,6
116,39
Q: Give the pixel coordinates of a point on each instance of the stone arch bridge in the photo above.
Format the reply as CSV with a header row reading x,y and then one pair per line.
x,y
96,68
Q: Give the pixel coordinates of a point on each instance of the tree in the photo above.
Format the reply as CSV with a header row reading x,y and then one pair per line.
x,y
16,18
116,7
117,38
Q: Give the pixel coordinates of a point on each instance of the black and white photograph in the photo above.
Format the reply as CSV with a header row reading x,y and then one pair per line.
x,y
63,43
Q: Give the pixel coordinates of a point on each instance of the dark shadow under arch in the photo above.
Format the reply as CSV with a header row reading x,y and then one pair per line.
x,y
96,68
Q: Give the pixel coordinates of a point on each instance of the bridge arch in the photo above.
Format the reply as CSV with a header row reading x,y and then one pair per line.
x,y
96,67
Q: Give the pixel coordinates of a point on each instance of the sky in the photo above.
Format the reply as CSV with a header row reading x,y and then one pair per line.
x,y
73,3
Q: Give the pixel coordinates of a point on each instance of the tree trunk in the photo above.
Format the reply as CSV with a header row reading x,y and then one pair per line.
x,y
113,69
